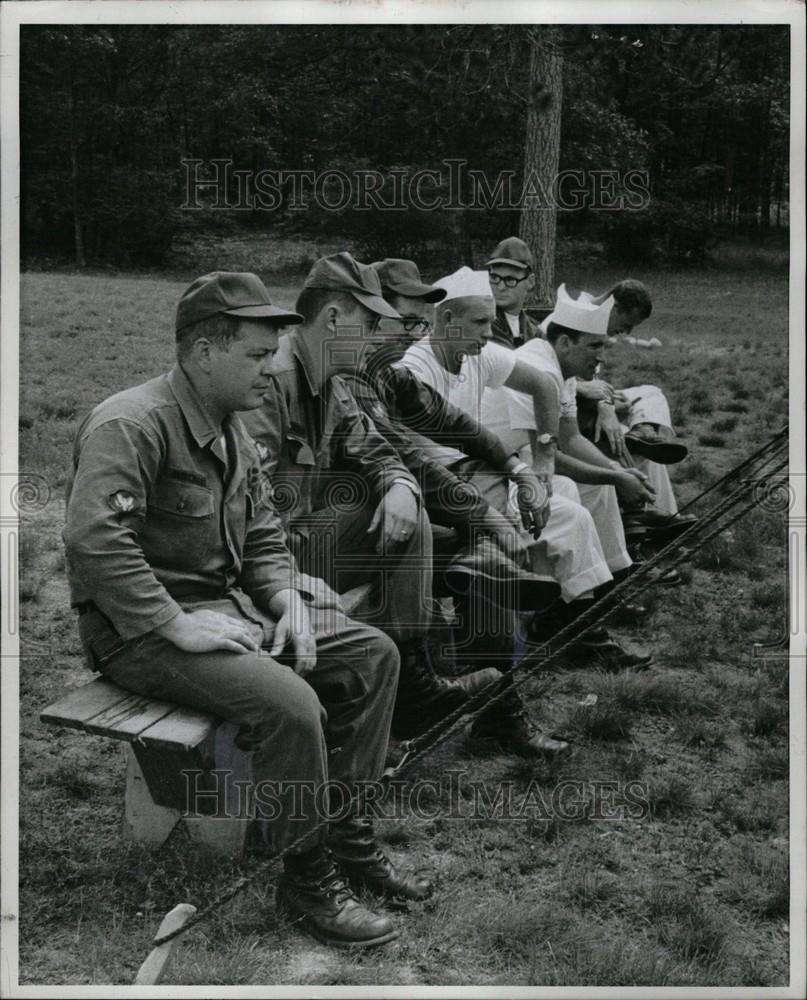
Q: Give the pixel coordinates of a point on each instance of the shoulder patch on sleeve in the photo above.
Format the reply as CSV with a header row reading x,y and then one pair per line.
x,y
121,502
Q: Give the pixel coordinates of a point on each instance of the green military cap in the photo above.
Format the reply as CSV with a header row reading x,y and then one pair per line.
x,y
235,293
512,251
342,273
402,277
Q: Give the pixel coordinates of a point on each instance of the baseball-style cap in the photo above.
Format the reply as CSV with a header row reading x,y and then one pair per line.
x,y
343,273
581,314
235,293
512,251
465,283
402,277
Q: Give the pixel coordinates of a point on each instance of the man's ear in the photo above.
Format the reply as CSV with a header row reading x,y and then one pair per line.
x,y
201,354
562,343
530,283
331,315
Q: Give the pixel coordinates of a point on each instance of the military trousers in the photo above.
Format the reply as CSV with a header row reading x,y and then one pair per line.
x,y
337,546
330,727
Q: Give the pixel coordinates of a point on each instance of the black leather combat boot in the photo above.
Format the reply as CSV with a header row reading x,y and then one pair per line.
x,y
507,724
353,844
424,698
593,647
313,893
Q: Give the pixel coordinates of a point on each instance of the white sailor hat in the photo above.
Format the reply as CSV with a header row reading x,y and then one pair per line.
x,y
581,314
464,283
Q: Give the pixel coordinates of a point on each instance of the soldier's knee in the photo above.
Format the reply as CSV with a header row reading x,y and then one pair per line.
x,y
293,703
382,660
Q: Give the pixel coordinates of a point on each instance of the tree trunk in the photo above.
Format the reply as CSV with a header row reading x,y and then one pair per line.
x,y
541,158
78,234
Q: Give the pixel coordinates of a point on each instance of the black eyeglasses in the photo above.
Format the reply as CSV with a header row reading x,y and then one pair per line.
x,y
508,282
411,324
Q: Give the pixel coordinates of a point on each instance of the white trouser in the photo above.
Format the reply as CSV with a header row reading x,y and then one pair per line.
x,y
569,549
660,481
602,503
650,406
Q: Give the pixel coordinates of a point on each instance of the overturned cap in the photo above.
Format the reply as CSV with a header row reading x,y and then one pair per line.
x,y
343,273
512,251
581,314
464,283
402,277
235,293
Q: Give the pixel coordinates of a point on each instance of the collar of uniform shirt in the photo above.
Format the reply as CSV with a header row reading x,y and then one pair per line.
x,y
300,352
201,427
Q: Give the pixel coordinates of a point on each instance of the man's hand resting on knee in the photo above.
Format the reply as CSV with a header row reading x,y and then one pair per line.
x,y
294,627
204,631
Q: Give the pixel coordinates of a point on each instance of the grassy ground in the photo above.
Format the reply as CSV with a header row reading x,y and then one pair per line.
x,y
694,892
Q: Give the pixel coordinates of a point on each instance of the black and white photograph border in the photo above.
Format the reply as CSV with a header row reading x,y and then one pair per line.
x,y
664,854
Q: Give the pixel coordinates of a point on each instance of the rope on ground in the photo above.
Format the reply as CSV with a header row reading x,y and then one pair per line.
x,y
599,612
772,443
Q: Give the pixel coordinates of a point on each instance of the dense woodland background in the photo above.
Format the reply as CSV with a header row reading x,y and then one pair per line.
x,y
108,113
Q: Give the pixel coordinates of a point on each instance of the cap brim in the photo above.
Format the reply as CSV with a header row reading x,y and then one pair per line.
x,y
508,261
264,311
414,291
374,302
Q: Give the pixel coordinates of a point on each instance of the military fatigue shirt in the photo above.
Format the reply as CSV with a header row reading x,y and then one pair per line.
x,y
406,411
319,447
164,507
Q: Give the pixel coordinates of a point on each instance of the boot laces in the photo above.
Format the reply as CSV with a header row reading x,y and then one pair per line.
x,y
335,886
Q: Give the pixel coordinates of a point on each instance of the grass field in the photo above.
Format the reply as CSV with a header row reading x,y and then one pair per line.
x,y
694,892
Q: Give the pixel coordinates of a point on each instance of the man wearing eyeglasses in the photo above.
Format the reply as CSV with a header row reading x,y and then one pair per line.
x,y
510,272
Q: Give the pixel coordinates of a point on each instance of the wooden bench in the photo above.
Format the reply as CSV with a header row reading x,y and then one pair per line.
x,y
173,751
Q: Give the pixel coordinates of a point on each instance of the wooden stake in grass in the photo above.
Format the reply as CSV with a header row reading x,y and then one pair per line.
x,y
151,971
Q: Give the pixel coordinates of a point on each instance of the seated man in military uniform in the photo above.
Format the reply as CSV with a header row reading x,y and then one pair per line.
x,y
352,508
186,591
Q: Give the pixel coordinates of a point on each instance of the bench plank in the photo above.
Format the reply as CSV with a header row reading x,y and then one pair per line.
x,y
128,718
184,727
79,706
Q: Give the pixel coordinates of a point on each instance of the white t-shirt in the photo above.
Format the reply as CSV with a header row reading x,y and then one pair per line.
x,y
541,355
488,370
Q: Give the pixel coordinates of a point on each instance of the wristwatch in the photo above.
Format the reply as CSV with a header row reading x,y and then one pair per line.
x,y
547,439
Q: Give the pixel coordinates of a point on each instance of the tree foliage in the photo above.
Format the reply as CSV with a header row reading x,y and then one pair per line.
x,y
108,114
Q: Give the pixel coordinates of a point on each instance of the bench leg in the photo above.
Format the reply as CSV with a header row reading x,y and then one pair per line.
x,y
226,834
143,820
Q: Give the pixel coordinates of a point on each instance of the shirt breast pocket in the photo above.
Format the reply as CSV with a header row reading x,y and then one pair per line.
x,y
180,524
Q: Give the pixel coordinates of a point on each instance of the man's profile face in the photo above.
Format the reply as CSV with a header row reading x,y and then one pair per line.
x,y
392,337
623,321
239,374
469,327
580,359
510,299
